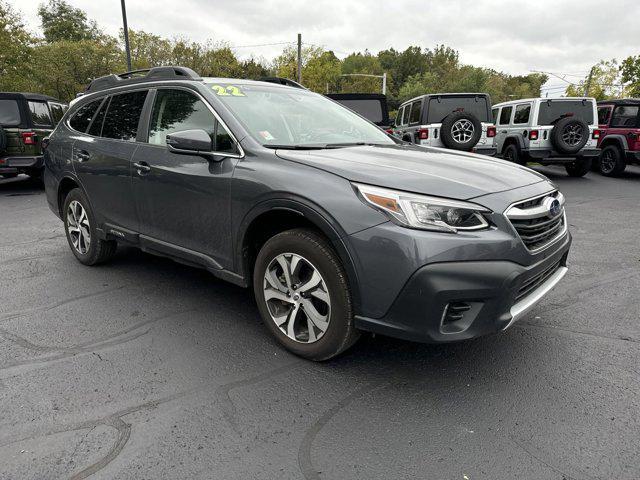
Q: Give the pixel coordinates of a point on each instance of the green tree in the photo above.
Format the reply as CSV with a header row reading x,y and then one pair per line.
x,y
15,49
630,70
61,21
605,82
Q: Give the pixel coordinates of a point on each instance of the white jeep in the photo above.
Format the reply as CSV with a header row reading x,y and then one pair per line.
x,y
548,131
460,121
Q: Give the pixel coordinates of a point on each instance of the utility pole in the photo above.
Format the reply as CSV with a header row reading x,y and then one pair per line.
x,y
126,34
384,83
588,85
299,57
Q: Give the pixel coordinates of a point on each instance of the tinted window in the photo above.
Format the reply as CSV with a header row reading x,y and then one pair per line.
x,y
405,115
553,110
57,111
415,112
494,113
440,107
9,113
96,126
369,109
505,115
123,115
603,115
522,113
81,119
399,116
40,114
625,116
223,141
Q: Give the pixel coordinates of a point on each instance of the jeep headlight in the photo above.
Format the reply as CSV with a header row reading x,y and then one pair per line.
x,y
423,212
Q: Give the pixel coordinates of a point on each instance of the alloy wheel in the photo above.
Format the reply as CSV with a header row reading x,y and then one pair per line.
x,y
78,227
572,134
462,130
297,298
607,161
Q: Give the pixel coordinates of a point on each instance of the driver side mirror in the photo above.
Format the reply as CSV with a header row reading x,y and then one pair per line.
x,y
190,142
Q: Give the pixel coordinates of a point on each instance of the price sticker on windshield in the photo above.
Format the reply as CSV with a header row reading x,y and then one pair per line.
x,y
228,91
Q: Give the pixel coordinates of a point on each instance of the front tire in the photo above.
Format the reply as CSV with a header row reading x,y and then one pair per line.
x,y
80,227
303,295
579,168
611,162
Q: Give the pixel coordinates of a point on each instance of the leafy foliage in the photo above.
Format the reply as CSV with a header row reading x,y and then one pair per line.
x,y
60,21
606,82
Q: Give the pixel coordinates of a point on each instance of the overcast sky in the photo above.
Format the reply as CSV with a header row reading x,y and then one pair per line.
x,y
560,36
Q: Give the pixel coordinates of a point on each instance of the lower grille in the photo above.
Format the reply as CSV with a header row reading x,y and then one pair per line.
x,y
537,280
539,221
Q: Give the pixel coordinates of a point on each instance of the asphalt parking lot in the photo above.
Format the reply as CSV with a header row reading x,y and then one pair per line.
x,y
144,368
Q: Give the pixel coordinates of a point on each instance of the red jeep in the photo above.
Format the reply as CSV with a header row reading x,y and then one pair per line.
x,y
619,123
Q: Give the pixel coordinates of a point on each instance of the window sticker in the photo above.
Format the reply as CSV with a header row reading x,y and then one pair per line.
x,y
228,91
266,135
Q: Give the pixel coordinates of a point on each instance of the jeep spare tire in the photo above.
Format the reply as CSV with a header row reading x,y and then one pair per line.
x,y
569,135
3,140
460,131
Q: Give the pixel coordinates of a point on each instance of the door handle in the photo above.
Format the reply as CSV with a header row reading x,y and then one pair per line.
x,y
83,156
142,167
503,131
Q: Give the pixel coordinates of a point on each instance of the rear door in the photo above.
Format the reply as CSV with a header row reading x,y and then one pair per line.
x,y
183,199
102,158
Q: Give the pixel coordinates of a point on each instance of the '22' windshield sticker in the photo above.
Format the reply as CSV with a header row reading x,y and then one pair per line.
x,y
228,91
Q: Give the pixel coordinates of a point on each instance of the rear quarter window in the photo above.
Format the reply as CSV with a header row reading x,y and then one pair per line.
x,y
9,113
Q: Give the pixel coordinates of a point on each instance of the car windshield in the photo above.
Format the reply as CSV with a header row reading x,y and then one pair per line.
x,y
553,110
294,118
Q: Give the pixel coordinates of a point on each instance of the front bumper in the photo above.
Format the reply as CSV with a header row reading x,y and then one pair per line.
x,y
489,294
16,164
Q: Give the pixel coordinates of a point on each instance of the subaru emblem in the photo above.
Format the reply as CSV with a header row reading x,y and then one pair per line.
x,y
554,208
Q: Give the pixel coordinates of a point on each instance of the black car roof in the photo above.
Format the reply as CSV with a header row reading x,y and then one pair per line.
x,y
620,101
436,95
357,96
28,96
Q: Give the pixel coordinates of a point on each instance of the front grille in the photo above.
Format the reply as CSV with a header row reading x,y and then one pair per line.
x,y
535,223
534,282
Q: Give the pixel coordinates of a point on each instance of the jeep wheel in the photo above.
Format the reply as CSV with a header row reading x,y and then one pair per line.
x,y
611,162
303,295
80,227
511,153
569,135
579,168
460,131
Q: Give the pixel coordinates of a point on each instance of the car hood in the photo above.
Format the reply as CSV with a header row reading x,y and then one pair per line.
x,y
431,171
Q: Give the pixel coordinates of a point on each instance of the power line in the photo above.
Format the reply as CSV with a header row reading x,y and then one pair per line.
x,y
261,45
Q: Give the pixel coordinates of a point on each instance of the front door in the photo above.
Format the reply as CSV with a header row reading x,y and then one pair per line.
x,y
183,199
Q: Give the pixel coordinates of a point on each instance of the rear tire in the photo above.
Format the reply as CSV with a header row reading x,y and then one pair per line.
x,y
284,299
611,162
511,153
82,235
579,168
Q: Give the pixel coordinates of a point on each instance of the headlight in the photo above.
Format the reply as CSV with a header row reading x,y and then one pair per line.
x,y
426,213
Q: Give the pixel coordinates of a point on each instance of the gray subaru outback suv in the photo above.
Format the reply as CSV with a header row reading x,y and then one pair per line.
x,y
336,226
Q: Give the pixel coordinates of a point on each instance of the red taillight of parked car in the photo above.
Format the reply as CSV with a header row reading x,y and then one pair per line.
x,y
533,135
596,134
491,132
423,133
28,138
389,131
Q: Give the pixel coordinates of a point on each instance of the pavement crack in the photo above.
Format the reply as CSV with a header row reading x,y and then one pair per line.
x,y
623,338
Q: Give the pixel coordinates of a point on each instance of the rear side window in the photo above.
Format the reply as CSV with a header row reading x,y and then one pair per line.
x,y
9,113
603,115
176,110
625,116
81,119
57,111
505,115
553,110
441,107
416,109
40,114
522,113
123,115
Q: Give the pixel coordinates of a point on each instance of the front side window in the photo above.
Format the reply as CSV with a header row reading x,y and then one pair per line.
x,y
123,115
9,113
82,118
278,116
625,116
603,115
40,114
415,112
505,115
522,113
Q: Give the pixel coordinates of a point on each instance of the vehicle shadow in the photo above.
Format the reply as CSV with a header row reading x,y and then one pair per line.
x,y
20,185
555,172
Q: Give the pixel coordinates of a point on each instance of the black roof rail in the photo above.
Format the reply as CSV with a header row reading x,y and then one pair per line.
x,y
283,81
141,76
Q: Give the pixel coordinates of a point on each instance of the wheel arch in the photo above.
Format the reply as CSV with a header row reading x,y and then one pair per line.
x,y
618,140
274,216
65,185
